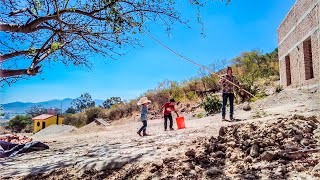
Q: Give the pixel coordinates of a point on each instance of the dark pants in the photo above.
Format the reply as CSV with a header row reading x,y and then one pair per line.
x,y
225,97
166,117
144,127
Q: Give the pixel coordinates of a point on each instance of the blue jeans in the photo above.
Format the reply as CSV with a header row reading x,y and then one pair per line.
x,y
225,97
144,126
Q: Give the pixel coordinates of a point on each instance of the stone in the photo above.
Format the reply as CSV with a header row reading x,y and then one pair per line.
x,y
254,151
157,163
233,158
222,131
246,106
248,159
267,156
305,142
298,138
220,154
316,171
191,153
212,173
198,169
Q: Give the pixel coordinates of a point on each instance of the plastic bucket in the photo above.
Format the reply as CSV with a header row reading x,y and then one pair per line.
x,y
180,122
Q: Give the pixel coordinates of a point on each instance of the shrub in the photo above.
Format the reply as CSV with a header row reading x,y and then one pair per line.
x,y
20,122
211,105
199,116
191,96
76,120
93,113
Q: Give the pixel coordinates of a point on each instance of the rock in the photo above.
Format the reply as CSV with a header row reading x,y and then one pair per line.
x,y
305,142
267,156
212,173
157,163
220,154
316,171
250,176
300,168
153,170
281,170
198,169
233,158
248,159
254,151
246,106
191,153
298,138
222,131
169,149
307,128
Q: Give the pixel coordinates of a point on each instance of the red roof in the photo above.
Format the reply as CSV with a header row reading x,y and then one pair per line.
x,y
42,117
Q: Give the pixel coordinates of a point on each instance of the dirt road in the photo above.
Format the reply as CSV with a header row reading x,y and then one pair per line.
x,y
118,145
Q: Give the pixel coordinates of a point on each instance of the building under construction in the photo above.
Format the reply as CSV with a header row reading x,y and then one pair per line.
x,y
299,45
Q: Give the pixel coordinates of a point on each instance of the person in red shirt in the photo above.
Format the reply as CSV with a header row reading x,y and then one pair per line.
x,y
168,108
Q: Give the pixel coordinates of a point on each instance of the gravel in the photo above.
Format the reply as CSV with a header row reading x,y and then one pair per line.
x,y
53,130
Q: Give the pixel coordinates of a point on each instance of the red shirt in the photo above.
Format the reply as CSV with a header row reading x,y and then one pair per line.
x,y
168,108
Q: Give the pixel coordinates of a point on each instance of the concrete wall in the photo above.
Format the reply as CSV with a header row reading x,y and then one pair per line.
x,y
301,23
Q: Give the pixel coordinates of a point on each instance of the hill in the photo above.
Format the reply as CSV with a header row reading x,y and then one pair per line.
x,y
21,107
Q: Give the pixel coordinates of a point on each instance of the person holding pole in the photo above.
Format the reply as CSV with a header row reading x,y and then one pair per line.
x,y
227,92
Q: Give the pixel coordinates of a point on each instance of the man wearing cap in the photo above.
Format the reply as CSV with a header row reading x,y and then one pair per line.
x,y
227,92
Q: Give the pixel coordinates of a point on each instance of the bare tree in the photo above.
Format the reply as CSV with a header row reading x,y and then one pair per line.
x,y
38,31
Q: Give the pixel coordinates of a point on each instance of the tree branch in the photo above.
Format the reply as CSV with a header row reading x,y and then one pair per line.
x,y
14,54
9,73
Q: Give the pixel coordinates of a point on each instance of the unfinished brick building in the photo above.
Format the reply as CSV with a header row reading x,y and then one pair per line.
x,y
299,45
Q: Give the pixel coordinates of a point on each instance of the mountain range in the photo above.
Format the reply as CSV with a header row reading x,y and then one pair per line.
x,y
21,107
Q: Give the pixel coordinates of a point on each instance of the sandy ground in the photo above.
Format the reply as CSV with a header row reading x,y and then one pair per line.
x,y
114,146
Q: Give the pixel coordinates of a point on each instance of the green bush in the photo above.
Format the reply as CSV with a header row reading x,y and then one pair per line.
x,y
200,115
211,105
20,122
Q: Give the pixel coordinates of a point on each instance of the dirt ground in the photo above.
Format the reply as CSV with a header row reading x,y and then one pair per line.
x,y
103,149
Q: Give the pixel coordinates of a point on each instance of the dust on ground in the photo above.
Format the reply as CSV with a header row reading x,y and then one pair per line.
x,y
118,152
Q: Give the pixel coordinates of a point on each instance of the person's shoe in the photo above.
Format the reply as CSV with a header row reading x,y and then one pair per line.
x,y
171,129
139,133
165,129
231,119
145,134
223,119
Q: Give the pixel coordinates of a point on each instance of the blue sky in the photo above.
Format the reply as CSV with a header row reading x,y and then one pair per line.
x,y
241,26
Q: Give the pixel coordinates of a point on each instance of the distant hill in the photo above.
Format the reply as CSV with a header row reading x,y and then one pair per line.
x,y
21,107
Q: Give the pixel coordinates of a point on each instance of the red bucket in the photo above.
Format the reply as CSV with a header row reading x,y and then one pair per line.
x,y
180,122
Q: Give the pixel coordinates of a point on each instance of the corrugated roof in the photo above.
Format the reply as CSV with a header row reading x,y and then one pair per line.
x,y
42,117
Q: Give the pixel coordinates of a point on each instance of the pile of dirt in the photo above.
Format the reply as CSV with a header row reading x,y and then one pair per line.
x,y
285,148
95,126
16,139
53,130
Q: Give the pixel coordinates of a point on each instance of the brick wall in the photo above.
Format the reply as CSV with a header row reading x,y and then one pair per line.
x,y
301,23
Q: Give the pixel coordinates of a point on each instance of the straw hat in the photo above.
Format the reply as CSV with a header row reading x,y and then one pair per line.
x,y
143,100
